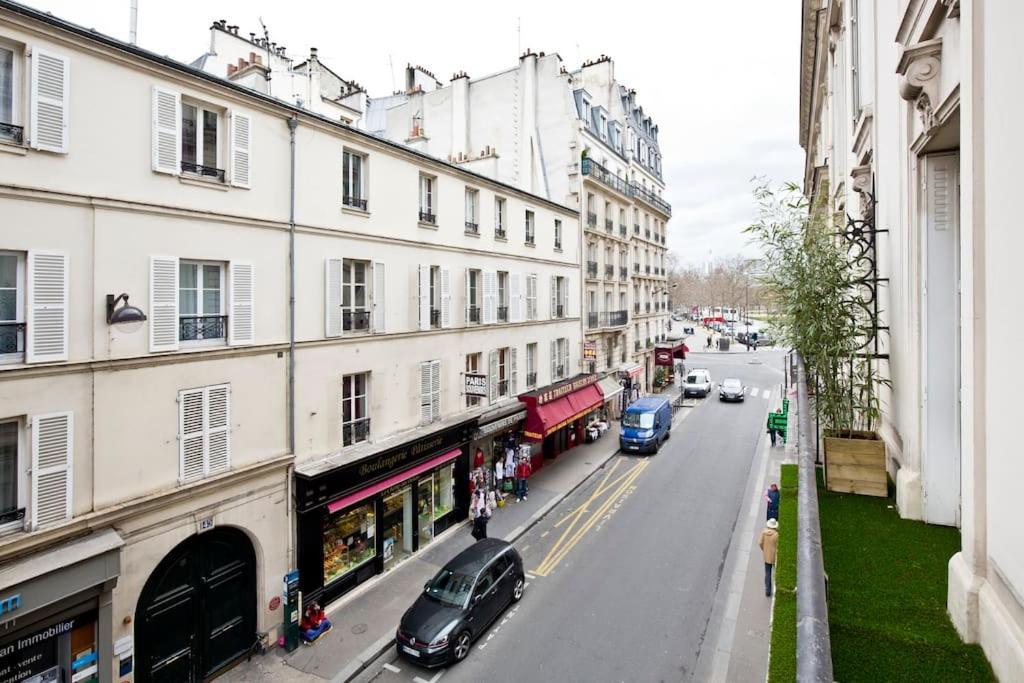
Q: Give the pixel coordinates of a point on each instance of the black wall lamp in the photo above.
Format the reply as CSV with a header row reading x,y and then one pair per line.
x,y
126,314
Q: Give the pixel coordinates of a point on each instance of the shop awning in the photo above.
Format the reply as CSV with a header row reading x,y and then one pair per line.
x,y
610,387
666,353
633,370
344,502
542,420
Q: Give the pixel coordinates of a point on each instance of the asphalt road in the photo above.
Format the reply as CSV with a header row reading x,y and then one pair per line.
x,y
623,573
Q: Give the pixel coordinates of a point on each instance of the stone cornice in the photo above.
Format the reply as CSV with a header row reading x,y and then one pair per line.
x,y
919,68
808,50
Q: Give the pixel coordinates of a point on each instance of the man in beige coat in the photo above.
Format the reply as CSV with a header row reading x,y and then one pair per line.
x,y
769,544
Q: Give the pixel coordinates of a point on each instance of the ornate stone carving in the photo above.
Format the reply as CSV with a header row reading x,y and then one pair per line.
x,y
952,8
919,68
862,185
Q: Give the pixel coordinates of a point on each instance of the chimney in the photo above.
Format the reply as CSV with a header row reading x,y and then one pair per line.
x,y
460,113
528,127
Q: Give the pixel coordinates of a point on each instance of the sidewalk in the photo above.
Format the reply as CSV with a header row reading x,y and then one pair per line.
x,y
364,621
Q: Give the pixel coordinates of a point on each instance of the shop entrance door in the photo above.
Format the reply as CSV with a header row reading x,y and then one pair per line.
x,y
397,525
425,502
197,612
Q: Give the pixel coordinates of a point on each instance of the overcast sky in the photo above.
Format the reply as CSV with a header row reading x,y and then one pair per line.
x,y
719,78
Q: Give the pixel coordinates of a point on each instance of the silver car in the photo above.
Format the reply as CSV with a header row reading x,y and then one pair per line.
x,y
697,383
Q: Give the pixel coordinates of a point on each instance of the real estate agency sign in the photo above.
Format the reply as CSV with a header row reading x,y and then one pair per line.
x,y
476,384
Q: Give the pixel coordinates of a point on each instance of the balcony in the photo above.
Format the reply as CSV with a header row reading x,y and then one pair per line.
x,y
12,133
203,171
609,226
602,175
473,314
647,307
435,318
558,246
500,234
12,338
427,217
636,228
354,202
591,219
559,372
502,387
355,320
592,269
609,272
650,343
636,267
502,314
636,345
622,230
647,234
200,327
647,270
472,228
559,311
355,431
531,379
636,309
623,273
531,238
614,318
592,321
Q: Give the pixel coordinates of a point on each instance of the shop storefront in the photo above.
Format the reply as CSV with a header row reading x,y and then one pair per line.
x,y
55,615
632,377
366,517
556,416
611,390
497,430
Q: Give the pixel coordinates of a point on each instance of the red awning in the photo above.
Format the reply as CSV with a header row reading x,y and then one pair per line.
x,y
345,501
542,420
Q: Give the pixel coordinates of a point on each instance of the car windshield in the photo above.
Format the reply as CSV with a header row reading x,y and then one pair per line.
x,y
449,588
694,379
731,384
638,420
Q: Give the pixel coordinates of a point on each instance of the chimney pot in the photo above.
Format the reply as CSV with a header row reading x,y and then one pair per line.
x,y
252,37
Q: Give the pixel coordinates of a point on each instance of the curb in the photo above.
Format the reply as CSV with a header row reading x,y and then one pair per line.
x,y
370,654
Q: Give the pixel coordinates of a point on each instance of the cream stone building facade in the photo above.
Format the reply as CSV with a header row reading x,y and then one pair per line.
x,y
578,138
149,466
904,117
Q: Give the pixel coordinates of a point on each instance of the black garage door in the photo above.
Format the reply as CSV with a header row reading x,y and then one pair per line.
x,y
197,613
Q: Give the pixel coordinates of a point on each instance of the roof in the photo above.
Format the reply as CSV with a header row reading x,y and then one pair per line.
x,y
135,50
647,403
472,559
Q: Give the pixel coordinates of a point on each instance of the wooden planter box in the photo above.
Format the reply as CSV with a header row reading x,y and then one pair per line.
x,y
856,465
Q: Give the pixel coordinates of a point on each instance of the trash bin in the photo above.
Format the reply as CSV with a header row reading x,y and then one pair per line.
x,y
723,343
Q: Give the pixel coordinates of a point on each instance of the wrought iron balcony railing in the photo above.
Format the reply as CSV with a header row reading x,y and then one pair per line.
x,y
623,272
473,314
354,202
609,272
503,387
530,238
614,318
604,176
622,230
427,217
559,372
12,338
591,268
560,311
500,233
592,321
502,314
636,345
355,320
636,228
12,133
609,226
472,228
592,219
531,379
650,199
636,309
203,171
435,317
199,327
355,431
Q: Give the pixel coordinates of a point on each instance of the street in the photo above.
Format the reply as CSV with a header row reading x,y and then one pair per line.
x,y
622,574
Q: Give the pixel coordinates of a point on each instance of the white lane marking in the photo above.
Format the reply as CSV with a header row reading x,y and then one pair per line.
x,y
753,393
525,548
526,585
392,668
432,680
545,534
530,576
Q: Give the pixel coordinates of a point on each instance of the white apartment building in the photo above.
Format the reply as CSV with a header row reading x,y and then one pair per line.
x,y
580,139
148,464
904,119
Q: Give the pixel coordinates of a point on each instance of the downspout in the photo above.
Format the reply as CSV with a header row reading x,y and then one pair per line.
x,y
293,123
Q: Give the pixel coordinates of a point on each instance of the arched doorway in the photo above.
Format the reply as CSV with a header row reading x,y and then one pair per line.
x,y
197,612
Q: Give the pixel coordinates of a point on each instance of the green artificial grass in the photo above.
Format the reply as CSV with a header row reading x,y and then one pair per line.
x,y
887,595
783,647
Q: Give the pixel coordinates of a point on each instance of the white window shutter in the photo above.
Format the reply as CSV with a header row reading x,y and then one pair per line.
x,y
379,299
490,297
531,297
468,302
241,149
332,297
52,463
47,307
554,361
435,390
424,296
513,389
166,131
565,298
425,395
554,296
446,297
218,428
50,101
191,434
242,329
492,376
515,304
163,303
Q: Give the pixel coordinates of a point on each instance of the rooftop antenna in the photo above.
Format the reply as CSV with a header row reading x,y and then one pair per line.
x,y
266,44
391,63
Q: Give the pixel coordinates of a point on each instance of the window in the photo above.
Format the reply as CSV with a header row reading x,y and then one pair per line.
x,y
531,297
10,89
559,297
530,229
355,418
204,435
531,365
472,211
558,233
201,301
434,297
12,487
352,172
473,363
473,287
428,199
503,370
559,359
355,311
200,151
500,227
503,295
430,391
348,541
501,376
12,306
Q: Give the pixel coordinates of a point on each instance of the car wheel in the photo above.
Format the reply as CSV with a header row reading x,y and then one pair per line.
x,y
461,647
517,590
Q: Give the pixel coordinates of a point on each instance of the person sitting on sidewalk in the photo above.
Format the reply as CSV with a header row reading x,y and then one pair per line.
x,y
314,623
769,544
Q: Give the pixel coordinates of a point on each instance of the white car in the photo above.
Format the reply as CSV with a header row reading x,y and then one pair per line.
x,y
697,383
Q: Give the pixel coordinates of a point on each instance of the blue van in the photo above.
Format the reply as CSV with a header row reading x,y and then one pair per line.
x,y
645,424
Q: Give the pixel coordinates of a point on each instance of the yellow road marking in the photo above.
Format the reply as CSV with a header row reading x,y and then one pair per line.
x,y
558,551
602,487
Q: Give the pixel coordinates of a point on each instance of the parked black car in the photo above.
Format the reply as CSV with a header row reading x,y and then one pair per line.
x,y
460,602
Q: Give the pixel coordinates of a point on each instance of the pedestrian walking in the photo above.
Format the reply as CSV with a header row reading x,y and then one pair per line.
x,y
476,510
772,496
523,471
769,544
771,429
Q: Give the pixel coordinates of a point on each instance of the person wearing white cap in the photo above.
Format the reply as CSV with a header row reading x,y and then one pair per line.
x,y
769,544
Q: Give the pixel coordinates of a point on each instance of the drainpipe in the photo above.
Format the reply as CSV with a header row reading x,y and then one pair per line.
x,y
293,123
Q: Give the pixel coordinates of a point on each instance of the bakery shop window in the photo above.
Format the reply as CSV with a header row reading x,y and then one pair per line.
x,y
444,491
348,540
